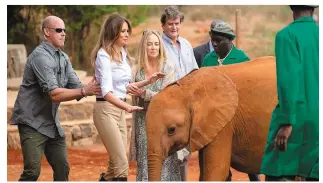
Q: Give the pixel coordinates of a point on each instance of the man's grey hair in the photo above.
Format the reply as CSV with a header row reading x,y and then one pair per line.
x,y
171,12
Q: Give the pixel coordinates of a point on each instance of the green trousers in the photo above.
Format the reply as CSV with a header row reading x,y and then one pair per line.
x,y
34,145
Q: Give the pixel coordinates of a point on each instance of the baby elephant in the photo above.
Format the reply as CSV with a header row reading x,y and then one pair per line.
x,y
223,112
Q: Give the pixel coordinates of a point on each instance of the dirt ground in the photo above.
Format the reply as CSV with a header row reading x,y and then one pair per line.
x,y
87,163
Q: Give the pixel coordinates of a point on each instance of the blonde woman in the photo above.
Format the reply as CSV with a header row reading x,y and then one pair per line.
x,y
151,59
110,60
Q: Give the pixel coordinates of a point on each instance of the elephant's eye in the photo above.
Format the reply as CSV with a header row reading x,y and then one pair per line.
x,y
171,130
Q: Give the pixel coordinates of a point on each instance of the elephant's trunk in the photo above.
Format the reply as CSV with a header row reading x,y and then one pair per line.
x,y
155,163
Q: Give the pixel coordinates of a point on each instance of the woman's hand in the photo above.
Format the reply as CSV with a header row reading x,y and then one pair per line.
x,y
133,90
133,109
155,77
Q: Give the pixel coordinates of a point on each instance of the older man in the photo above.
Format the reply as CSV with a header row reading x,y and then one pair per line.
x,y
48,80
224,52
203,49
178,49
180,52
292,147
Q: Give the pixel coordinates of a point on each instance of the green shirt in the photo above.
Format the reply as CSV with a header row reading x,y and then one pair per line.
x,y
297,67
46,69
235,56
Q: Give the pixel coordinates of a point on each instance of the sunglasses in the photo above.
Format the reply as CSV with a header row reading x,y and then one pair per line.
x,y
58,30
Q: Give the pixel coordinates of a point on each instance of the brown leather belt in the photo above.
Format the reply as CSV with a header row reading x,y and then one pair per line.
x,y
102,99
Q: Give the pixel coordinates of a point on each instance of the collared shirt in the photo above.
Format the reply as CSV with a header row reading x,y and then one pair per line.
x,y
211,46
234,56
46,68
183,58
113,77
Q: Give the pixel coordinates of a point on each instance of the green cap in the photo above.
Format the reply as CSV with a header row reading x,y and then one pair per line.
x,y
225,29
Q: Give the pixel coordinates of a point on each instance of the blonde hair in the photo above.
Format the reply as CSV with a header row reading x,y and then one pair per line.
x,y
142,57
109,34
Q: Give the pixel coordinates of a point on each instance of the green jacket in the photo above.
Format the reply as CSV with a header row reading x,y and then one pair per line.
x,y
235,56
297,63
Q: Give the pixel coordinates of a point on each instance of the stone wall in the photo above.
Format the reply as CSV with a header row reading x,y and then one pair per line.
x,y
16,60
78,133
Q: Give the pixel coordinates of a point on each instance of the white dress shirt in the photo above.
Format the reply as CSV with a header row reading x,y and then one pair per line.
x,y
113,77
182,58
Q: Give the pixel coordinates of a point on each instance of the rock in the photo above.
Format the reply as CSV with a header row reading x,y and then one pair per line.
x,y
16,60
67,129
76,111
9,114
94,130
13,140
68,139
86,130
97,139
76,132
14,83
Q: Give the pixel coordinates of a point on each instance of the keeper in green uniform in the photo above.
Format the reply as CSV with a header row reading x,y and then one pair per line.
x,y
292,147
224,51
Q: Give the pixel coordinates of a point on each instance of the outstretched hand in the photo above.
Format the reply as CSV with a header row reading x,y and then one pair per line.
x,y
155,77
133,109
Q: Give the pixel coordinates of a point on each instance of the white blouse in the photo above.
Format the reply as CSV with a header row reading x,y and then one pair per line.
x,y
112,76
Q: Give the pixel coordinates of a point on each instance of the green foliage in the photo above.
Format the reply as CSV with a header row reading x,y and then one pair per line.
x,y
137,14
24,25
82,22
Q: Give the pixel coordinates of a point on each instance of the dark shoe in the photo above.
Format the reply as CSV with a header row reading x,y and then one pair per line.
x,y
122,179
102,177
229,176
254,177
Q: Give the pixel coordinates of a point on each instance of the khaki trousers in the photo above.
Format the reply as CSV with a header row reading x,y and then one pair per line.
x,y
110,121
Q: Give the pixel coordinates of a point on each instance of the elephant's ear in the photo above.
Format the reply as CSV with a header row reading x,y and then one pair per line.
x,y
214,102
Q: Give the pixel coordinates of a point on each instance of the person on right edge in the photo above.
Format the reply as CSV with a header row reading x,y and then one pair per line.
x,y
292,147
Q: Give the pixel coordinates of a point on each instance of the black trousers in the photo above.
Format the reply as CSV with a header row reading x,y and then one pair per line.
x,y
34,145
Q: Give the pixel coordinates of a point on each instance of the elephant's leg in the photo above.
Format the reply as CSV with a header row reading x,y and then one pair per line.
x,y
201,164
217,156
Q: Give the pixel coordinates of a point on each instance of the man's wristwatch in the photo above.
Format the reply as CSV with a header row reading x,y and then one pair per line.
x,y
83,92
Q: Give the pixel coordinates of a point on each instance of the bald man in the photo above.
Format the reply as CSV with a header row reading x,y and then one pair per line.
x,y
48,80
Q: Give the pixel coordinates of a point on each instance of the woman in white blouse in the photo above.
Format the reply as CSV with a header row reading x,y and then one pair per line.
x,y
110,60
